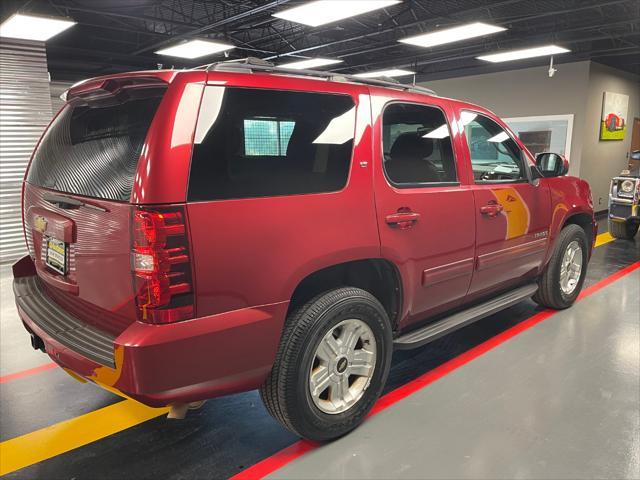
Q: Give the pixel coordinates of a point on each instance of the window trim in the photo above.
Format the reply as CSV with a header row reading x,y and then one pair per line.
x,y
525,166
417,184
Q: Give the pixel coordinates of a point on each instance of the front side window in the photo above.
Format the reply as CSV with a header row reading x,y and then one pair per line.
x,y
260,143
495,156
417,145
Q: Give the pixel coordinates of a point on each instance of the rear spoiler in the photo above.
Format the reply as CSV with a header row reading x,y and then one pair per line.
x,y
100,88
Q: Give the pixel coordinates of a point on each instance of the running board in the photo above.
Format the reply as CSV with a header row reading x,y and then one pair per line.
x,y
433,331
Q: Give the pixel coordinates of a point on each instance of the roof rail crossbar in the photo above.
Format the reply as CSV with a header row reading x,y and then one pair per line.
x,y
251,64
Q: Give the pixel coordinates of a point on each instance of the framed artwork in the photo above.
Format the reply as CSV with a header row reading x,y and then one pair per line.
x,y
544,133
613,123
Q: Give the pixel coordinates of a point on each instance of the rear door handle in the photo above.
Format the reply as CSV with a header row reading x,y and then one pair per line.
x,y
402,219
491,209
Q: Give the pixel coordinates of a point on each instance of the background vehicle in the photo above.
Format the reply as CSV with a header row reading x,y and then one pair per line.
x,y
198,233
624,200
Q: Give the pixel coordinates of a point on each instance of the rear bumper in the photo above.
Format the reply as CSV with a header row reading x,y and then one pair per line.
x,y
159,364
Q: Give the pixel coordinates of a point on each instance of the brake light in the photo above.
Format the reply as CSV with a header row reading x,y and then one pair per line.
x,y
161,265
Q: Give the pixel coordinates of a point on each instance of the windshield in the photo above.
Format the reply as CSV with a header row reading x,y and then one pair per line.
x,y
92,149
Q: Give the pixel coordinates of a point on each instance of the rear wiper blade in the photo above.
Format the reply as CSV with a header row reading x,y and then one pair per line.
x,y
65,202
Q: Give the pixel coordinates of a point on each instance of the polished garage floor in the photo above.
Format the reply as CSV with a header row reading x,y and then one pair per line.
x,y
522,394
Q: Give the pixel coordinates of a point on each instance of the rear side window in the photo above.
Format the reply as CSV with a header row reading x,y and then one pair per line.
x,y
258,143
92,149
417,146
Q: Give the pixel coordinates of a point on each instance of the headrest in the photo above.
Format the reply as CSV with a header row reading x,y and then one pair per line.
x,y
411,146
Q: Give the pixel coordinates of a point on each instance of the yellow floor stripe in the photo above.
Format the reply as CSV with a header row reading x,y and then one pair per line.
x,y
604,238
62,437
56,439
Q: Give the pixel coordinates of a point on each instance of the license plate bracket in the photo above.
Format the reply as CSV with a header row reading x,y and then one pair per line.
x,y
56,255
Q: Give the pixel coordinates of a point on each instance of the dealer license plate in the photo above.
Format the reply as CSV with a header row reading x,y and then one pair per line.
x,y
56,257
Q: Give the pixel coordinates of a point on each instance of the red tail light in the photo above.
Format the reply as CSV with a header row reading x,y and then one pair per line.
x,y
161,264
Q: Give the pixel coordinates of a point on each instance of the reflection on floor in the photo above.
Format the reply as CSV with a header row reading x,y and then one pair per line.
x,y
552,402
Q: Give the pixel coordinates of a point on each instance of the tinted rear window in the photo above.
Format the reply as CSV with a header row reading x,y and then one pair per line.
x,y
92,149
256,143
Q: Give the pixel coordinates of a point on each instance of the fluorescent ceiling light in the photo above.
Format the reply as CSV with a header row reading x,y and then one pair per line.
x,y
499,138
526,53
29,27
393,72
310,63
322,12
467,117
195,49
441,132
455,34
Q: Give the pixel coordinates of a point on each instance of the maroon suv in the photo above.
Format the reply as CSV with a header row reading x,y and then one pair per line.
x,y
198,233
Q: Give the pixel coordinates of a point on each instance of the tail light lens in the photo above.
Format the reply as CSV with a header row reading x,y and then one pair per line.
x,y
161,264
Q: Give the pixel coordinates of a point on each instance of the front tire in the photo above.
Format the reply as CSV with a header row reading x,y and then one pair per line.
x,y
624,230
563,277
331,366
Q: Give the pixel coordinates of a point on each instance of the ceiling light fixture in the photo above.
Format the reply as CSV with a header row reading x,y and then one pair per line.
x,y
393,72
310,63
195,49
441,132
30,27
450,35
525,53
322,12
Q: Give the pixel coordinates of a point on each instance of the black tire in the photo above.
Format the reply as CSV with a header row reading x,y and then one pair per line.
x,y
549,292
286,392
623,230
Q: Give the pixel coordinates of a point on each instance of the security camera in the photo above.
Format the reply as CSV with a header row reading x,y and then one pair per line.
x,y
552,71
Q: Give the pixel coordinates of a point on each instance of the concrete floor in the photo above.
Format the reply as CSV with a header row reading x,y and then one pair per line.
x,y
559,400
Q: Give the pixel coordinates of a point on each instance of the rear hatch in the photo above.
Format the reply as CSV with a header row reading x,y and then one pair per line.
x,y
76,205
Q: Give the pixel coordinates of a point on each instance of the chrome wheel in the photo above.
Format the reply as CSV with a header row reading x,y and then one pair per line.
x,y
342,366
571,268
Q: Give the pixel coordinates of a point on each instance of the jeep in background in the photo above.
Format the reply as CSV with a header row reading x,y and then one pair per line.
x,y
197,233
624,200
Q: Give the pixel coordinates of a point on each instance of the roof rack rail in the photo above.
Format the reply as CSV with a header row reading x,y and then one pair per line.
x,y
251,64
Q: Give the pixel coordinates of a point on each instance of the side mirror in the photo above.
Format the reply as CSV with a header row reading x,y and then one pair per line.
x,y
552,164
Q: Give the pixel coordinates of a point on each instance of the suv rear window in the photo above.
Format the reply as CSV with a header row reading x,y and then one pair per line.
x,y
258,143
92,149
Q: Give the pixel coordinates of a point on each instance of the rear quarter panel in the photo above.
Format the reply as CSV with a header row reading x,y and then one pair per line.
x,y
255,251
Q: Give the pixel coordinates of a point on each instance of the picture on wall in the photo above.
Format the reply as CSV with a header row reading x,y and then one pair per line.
x,y
613,123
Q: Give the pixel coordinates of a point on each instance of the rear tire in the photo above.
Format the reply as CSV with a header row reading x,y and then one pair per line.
x,y
623,230
559,286
325,320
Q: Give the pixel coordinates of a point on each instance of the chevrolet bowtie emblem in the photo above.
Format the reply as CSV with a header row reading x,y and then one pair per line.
x,y
40,223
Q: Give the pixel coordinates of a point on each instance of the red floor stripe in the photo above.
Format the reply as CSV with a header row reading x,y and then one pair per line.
x,y
301,447
29,371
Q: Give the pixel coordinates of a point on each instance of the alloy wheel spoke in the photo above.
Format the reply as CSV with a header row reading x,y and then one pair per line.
x,y
362,363
320,380
349,337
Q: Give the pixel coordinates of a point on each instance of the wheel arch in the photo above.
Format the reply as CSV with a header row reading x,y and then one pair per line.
x,y
378,276
584,221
